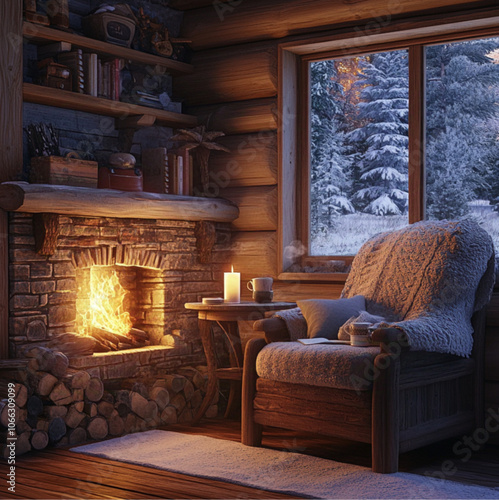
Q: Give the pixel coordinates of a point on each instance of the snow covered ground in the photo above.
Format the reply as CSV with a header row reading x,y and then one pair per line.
x,y
351,231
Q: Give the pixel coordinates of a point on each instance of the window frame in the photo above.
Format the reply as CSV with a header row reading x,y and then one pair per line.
x,y
294,122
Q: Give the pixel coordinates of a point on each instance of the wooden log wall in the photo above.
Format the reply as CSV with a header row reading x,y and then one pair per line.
x,y
234,88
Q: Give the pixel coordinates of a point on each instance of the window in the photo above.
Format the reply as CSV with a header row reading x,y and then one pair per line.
x,y
388,137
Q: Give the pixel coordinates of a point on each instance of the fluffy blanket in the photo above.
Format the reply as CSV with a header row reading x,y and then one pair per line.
x,y
427,279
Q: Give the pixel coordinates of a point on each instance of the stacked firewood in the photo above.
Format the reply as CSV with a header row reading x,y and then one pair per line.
x,y
55,405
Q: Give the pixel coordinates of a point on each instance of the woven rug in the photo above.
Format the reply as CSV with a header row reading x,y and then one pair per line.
x,y
280,471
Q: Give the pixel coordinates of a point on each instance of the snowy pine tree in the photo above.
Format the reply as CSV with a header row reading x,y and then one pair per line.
x,y
329,167
381,144
461,132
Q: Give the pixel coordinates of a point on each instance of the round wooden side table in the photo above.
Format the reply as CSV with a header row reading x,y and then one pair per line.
x,y
227,315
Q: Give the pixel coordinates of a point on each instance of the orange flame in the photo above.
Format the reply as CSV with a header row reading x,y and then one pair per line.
x,y
105,306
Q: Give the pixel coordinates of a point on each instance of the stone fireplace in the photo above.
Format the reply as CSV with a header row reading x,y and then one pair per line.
x,y
156,262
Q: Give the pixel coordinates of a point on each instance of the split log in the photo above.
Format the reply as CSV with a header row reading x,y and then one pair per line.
x,y
46,359
43,425
122,397
55,411
21,392
78,394
80,380
122,409
57,429
100,347
188,390
107,396
102,341
130,423
116,425
198,379
23,426
98,428
196,400
76,436
173,383
39,440
60,366
179,403
186,416
73,344
34,406
160,396
138,334
115,338
74,417
61,395
95,389
135,386
122,346
33,365
91,409
79,405
105,409
46,383
169,415
35,351
23,444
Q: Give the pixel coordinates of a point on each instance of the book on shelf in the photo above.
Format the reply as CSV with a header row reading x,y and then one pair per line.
x,y
323,340
74,61
90,65
155,171
53,49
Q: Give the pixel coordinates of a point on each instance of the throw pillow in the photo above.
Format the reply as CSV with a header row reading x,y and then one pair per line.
x,y
363,317
324,317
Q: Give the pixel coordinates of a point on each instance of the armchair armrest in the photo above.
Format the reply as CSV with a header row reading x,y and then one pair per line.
x,y
274,329
391,339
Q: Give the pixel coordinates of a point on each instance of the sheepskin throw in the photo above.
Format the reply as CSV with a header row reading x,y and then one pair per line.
x,y
427,279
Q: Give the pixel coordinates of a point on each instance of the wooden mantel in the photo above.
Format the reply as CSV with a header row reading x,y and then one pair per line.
x,y
88,202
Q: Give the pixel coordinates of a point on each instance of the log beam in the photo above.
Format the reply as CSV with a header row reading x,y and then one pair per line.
x,y
88,202
230,74
260,20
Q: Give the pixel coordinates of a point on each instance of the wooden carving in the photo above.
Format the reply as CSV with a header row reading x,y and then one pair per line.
x,y
205,239
46,230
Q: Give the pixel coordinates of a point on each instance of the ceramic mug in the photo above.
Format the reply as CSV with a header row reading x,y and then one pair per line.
x,y
360,334
260,284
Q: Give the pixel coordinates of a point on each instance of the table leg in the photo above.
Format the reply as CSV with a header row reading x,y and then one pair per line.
x,y
211,363
231,331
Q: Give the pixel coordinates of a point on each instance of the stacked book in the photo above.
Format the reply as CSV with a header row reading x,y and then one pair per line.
x,y
167,172
74,61
89,74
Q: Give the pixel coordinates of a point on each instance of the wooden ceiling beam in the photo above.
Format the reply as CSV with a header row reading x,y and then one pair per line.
x,y
243,22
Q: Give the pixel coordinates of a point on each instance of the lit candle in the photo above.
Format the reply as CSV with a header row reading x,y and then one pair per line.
x,y
232,286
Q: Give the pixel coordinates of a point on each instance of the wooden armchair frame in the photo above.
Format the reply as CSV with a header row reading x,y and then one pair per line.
x,y
416,397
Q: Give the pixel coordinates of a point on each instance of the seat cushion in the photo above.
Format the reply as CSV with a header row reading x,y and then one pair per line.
x,y
323,365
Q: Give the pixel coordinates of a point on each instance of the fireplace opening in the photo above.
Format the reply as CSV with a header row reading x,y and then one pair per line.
x,y
120,306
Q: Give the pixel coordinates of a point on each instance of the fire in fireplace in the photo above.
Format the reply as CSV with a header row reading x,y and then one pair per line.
x,y
111,308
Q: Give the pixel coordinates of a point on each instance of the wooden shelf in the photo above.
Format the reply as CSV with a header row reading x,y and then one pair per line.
x,y
89,202
96,105
39,34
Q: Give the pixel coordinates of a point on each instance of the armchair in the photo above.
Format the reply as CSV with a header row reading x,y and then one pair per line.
x,y
422,384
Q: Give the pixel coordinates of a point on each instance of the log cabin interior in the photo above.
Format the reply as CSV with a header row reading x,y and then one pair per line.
x,y
155,153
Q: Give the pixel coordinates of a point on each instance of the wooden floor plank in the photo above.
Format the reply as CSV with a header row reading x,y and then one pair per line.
x,y
60,473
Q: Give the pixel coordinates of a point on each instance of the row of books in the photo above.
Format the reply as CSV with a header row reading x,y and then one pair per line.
x,y
79,71
167,172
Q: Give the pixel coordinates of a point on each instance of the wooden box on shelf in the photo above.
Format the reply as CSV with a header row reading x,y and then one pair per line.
x,y
63,171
